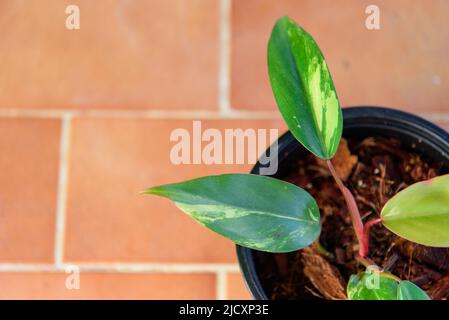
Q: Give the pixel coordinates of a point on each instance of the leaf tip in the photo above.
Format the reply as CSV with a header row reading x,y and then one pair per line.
x,y
152,190
283,18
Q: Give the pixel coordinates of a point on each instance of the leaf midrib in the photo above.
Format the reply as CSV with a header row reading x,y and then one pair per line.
x,y
385,218
267,213
307,98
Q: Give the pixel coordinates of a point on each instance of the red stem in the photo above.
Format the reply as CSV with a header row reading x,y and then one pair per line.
x,y
353,211
366,231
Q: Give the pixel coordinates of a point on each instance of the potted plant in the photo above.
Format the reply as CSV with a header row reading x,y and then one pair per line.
x,y
345,218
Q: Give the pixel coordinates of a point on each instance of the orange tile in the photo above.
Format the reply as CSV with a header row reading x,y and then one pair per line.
x,y
126,54
402,65
107,286
29,163
237,289
107,219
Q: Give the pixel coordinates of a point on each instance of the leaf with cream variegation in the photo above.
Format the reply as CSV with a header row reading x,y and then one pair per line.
x,y
303,88
257,212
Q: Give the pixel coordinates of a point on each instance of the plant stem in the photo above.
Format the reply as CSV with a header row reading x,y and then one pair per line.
x,y
391,276
365,261
366,231
322,250
353,210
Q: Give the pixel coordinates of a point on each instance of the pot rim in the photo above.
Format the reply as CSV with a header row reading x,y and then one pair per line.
x,y
367,117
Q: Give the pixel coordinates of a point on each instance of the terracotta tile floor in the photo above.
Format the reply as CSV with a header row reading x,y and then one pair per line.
x,y
86,117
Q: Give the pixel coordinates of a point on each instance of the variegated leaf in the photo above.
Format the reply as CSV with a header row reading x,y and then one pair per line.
x,y
303,88
257,212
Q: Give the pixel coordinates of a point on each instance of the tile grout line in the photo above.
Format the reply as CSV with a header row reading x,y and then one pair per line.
x,y
31,113
123,267
62,189
224,57
231,114
28,267
136,114
160,267
221,285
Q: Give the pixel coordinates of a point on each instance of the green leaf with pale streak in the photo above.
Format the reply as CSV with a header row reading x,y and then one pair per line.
x,y
370,285
420,213
409,291
257,212
303,88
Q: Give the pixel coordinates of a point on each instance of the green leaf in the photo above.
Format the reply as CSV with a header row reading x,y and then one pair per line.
x,y
409,291
420,213
254,211
303,88
371,285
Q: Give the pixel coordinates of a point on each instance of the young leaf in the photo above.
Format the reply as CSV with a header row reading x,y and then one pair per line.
x,y
371,285
409,291
254,211
303,88
420,213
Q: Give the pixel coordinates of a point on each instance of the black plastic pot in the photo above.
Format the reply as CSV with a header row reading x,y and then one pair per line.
x,y
413,132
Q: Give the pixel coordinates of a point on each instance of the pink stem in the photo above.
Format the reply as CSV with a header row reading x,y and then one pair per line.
x,y
353,211
366,232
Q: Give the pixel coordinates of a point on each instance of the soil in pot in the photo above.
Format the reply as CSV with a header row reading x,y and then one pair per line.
x,y
374,169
